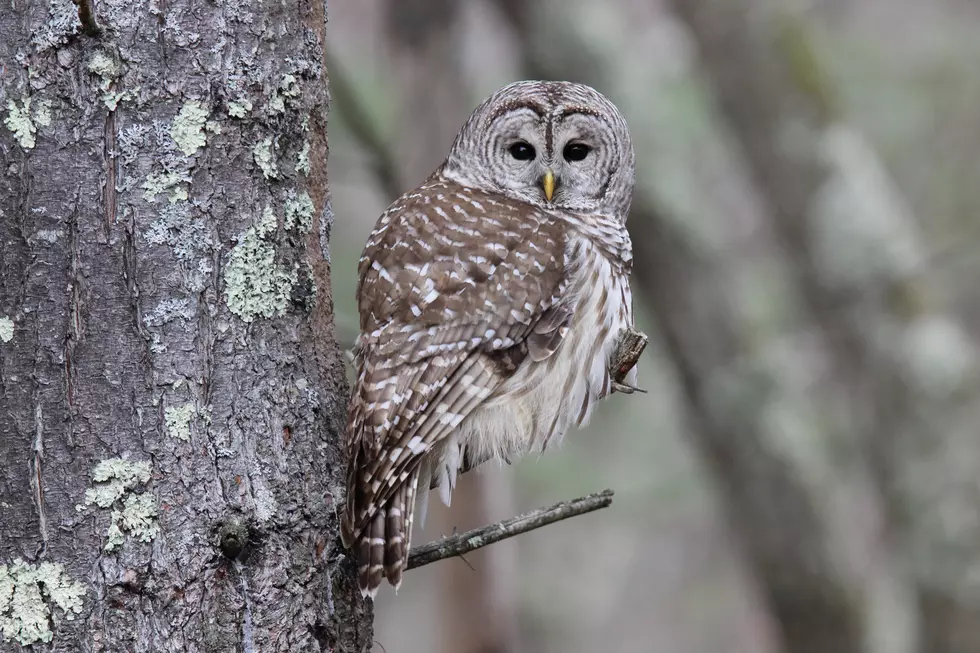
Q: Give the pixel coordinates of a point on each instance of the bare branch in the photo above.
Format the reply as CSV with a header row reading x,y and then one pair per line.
x,y
458,545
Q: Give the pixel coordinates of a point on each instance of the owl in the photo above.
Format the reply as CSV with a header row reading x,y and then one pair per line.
x,y
491,299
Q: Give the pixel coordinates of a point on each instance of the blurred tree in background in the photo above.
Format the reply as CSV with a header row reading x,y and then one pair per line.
x,y
803,475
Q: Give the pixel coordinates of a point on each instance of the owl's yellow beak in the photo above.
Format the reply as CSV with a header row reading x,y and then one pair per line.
x,y
548,182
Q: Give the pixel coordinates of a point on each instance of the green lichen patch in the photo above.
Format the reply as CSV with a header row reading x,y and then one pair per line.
x,y
104,66
27,593
133,513
276,104
6,329
303,161
265,159
187,129
161,182
299,212
239,108
42,113
111,99
138,518
114,477
178,419
255,284
267,223
287,91
19,122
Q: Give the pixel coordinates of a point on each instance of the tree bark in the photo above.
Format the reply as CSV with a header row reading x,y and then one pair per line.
x,y
172,399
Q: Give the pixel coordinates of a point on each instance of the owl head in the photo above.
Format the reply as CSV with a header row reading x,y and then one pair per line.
x,y
557,145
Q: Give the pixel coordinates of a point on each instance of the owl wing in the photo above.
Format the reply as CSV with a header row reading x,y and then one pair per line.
x,y
456,288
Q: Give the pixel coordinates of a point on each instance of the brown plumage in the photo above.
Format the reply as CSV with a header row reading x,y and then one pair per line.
x,y
485,313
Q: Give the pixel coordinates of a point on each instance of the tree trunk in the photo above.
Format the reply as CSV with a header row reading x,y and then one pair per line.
x,y
861,267
731,388
730,393
172,399
477,598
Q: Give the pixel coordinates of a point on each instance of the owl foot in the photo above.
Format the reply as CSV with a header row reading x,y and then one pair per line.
x,y
626,389
628,350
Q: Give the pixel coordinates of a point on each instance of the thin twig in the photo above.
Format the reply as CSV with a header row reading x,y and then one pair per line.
x,y
87,17
457,545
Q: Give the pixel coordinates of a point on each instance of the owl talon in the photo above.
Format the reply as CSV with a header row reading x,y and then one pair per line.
x,y
626,389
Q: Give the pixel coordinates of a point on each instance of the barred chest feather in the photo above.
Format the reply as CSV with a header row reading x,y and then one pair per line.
x,y
538,404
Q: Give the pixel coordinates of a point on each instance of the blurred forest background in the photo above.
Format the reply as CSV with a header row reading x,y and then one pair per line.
x,y
803,474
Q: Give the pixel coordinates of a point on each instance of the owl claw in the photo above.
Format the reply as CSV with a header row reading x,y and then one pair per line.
x,y
626,389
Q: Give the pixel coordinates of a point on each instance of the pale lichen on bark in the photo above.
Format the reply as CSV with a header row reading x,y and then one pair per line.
x,y
6,329
264,155
105,66
187,129
299,211
303,159
139,209
113,478
27,594
114,482
19,122
239,108
255,285
178,420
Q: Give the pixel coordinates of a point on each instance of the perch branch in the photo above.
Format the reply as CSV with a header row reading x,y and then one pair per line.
x,y
458,545
86,15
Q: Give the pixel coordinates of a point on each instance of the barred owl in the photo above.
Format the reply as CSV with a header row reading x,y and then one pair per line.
x,y
490,299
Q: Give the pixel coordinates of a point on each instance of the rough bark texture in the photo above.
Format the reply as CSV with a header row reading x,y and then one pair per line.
x,y
165,277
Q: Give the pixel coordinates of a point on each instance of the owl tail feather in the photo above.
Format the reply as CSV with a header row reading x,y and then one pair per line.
x,y
370,552
382,549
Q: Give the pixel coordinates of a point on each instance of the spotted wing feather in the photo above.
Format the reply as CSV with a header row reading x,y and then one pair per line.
x,y
456,286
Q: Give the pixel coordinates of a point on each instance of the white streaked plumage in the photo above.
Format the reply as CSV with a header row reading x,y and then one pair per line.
x,y
489,310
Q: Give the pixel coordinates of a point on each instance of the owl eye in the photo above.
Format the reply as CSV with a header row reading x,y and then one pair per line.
x,y
576,152
522,151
